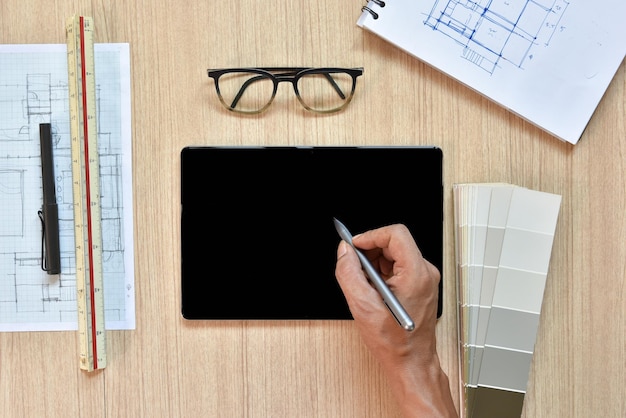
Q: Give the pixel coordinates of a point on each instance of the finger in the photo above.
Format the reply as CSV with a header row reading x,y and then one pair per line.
x,y
348,269
395,243
359,294
396,238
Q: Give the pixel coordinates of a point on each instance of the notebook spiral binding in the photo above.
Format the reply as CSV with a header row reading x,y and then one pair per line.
x,y
375,15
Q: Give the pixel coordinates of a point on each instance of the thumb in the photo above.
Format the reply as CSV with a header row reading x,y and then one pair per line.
x,y
348,271
342,249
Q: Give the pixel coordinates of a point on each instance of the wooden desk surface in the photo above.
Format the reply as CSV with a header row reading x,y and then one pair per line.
x,y
168,367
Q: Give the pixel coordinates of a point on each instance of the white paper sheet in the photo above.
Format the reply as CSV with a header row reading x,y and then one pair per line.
x,y
33,90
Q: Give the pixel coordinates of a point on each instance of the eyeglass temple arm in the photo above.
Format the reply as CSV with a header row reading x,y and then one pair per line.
x,y
331,80
243,89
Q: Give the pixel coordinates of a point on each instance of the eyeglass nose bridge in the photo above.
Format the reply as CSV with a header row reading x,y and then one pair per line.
x,y
286,79
293,80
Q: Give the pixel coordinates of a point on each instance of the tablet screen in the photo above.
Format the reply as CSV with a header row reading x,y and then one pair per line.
x,y
257,232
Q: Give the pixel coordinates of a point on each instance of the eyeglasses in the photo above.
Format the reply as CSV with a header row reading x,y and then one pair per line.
x,y
252,90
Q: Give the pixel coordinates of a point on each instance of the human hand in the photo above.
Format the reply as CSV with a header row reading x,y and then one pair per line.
x,y
410,277
409,359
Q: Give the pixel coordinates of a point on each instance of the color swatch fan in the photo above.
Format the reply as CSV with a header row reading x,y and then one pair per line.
x,y
503,240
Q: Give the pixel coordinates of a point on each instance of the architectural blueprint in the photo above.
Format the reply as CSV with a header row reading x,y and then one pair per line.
x,y
33,90
548,61
492,33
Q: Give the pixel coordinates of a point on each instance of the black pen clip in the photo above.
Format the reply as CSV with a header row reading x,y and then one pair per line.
x,y
44,255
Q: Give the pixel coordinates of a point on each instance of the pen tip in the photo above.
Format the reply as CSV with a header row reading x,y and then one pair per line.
x,y
343,231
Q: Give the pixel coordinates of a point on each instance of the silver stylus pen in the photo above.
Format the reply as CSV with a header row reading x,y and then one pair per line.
x,y
379,284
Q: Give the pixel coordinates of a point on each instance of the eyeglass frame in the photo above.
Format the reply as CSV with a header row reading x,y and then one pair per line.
x,y
266,72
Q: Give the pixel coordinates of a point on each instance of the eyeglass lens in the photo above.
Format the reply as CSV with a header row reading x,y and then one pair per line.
x,y
325,92
246,92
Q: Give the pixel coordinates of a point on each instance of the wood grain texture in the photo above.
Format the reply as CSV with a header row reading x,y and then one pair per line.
x,y
169,367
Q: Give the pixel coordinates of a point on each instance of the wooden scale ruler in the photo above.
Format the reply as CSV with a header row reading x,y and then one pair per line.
x,y
86,192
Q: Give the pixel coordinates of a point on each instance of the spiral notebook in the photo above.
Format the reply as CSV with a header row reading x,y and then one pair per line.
x,y
548,61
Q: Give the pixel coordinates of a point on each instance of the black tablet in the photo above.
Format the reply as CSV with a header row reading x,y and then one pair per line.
x,y
257,232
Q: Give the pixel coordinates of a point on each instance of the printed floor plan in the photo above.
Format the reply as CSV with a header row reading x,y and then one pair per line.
x,y
33,90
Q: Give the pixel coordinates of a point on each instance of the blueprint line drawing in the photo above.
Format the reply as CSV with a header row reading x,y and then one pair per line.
x,y
547,61
491,33
33,90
